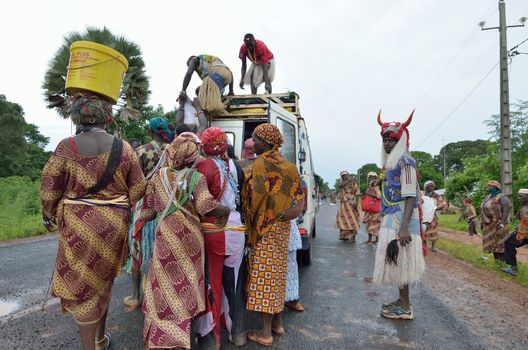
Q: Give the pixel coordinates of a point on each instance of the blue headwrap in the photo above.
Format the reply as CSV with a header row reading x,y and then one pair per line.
x,y
161,126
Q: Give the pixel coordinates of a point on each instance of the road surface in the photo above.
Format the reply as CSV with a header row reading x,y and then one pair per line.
x,y
342,305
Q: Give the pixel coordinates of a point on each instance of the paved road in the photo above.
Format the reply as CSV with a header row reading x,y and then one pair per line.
x,y
342,304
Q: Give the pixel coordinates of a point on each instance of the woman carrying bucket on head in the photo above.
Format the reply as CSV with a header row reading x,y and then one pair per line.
x,y
215,77
88,187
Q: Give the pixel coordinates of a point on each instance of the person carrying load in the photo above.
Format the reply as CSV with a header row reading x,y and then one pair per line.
x,y
215,77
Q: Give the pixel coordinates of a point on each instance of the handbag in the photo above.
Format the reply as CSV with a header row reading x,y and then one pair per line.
x,y
370,204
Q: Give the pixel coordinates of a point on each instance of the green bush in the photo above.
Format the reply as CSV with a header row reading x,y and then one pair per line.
x,y
20,214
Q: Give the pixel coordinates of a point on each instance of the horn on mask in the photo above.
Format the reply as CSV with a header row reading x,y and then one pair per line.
x,y
379,118
409,120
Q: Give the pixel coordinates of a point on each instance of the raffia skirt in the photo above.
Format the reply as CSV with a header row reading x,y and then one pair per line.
x,y
210,94
410,265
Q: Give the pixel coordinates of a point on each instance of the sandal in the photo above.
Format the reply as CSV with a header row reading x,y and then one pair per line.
x,y
279,331
510,271
252,335
297,306
108,337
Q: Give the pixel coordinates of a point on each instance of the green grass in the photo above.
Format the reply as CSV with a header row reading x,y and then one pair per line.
x,y
451,221
20,214
477,258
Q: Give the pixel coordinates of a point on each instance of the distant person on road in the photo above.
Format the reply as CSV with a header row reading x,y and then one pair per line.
x,y
175,292
400,220
141,234
347,220
519,237
262,68
269,206
431,231
87,188
494,213
472,217
372,218
215,77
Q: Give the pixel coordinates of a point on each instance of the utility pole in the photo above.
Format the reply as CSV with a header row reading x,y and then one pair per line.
x,y
505,133
445,163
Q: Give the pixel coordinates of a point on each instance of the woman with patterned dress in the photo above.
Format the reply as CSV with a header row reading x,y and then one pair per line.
x,y
175,292
88,186
141,234
372,220
347,220
494,211
272,197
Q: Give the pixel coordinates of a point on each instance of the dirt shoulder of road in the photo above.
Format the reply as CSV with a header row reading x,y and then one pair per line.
x,y
476,241
493,308
16,241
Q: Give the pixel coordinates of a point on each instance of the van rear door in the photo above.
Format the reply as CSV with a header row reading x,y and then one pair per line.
x,y
287,124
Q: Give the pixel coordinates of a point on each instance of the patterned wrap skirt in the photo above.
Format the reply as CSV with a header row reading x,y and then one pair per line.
x,y
268,266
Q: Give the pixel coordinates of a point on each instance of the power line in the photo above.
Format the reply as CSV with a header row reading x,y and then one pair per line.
x,y
456,55
446,118
468,73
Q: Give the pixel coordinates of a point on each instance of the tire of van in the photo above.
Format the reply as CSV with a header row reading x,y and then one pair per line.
x,y
306,256
314,229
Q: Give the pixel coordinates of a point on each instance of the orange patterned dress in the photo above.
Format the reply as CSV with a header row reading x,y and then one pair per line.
x,y
272,188
93,237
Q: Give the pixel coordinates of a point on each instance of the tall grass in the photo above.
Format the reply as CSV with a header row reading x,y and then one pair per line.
x,y
20,214
477,258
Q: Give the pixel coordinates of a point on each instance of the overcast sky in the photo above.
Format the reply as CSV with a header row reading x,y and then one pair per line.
x,y
346,59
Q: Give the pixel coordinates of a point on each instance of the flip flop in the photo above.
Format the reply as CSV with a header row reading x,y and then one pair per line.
x,y
108,337
509,270
278,331
256,339
297,306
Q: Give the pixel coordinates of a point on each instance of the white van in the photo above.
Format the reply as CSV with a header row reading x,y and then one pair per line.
x,y
244,113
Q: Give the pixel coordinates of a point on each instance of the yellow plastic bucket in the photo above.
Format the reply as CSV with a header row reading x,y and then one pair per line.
x,y
97,68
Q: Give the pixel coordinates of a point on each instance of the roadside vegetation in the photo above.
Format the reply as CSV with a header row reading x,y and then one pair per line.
x,y
19,208
476,257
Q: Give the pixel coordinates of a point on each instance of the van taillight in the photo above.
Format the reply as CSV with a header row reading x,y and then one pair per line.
x,y
303,231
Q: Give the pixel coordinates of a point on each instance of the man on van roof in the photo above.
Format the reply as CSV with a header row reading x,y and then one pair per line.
x,y
262,69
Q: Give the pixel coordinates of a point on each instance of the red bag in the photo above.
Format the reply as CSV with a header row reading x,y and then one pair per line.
x,y
370,204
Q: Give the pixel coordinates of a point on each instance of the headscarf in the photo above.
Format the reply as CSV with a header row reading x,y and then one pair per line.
x,y
190,136
467,200
372,173
428,183
162,127
523,191
495,184
344,172
88,108
270,134
248,152
182,151
214,141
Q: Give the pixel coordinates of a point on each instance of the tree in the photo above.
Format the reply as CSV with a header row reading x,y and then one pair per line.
x,y
22,147
363,172
322,185
426,169
135,90
455,152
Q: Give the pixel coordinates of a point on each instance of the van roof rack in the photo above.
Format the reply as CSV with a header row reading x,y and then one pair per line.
x,y
256,106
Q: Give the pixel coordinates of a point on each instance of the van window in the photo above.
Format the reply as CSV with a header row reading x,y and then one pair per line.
x,y
287,149
230,138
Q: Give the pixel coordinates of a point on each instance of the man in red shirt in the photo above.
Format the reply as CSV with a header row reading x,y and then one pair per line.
x,y
262,69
